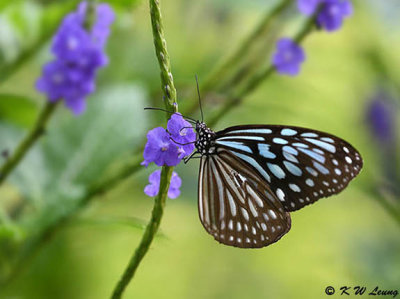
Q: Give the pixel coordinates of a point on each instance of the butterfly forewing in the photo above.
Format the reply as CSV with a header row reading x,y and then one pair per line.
x,y
300,165
236,205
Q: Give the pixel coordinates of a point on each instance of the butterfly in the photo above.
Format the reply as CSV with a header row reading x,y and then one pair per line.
x,y
252,176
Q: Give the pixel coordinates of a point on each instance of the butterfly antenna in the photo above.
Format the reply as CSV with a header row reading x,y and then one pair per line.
x,y
198,93
191,142
171,112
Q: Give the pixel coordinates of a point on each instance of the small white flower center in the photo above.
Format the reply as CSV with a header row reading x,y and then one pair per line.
x,y
334,10
72,43
58,78
287,55
182,132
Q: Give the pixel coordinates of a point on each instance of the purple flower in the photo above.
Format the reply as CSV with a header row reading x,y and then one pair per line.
x,y
154,186
308,7
182,132
160,149
78,55
332,14
169,147
288,57
57,81
101,30
381,118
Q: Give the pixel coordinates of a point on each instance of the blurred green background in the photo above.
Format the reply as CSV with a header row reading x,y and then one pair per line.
x,y
346,240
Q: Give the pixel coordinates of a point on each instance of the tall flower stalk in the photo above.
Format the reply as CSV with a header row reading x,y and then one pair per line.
x,y
33,135
264,24
78,47
168,87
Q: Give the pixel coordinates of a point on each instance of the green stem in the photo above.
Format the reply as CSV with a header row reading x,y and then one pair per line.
x,y
160,44
148,235
47,31
307,28
244,47
166,173
389,208
234,99
36,242
36,131
387,200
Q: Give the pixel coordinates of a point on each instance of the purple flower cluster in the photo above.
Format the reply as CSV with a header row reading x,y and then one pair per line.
x,y
154,186
168,147
332,12
288,57
79,52
381,118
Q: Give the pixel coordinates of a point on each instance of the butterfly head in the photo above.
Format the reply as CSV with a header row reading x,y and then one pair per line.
x,y
205,139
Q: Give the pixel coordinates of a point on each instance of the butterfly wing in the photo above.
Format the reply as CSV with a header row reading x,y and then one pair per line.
x,y
236,206
300,165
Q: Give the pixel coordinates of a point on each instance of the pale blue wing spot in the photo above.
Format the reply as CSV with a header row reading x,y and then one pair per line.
x,y
312,171
320,168
328,139
265,152
288,132
294,187
309,134
280,195
258,131
276,170
298,144
292,168
258,138
324,145
279,141
235,145
313,155
253,163
290,157
310,182
317,150
290,150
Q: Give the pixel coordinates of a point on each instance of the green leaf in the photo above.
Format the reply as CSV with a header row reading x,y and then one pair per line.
x,y
25,26
26,175
17,109
77,151
5,3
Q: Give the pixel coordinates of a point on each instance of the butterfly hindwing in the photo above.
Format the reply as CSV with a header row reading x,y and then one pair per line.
x,y
300,165
236,205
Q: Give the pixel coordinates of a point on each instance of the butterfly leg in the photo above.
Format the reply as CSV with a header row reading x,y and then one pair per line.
x,y
187,159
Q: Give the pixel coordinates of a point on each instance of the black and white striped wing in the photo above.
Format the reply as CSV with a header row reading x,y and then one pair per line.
x,y
236,206
300,165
